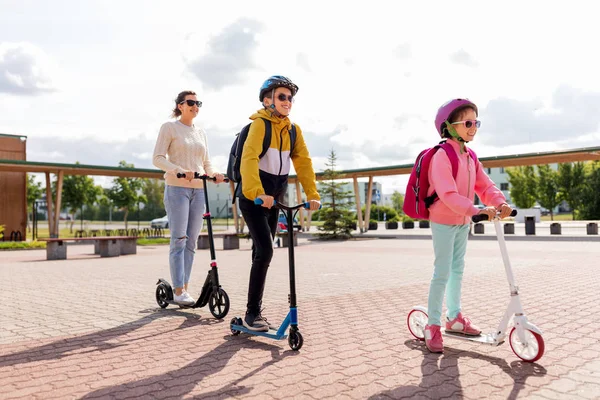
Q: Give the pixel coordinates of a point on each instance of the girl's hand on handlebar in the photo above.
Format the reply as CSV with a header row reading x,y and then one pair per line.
x,y
314,205
505,210
490,212
267,201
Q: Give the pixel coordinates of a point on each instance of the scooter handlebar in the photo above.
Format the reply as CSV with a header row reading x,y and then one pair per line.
x,y
258,201
484,217
198,176
306,204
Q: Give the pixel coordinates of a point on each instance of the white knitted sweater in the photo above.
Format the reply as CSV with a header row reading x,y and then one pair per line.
x,y
178,148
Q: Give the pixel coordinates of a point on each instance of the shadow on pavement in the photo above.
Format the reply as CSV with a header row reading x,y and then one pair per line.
x,y
439,371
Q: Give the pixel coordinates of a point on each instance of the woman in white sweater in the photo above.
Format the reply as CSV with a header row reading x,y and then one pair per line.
x,y
182,147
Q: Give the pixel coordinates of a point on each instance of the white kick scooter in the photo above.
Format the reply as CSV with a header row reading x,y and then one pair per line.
x,y
525,338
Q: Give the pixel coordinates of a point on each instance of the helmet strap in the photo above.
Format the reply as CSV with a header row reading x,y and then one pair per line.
x,y
272,108
456,136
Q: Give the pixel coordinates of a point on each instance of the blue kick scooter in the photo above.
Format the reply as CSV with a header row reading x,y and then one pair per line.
x,y
291,320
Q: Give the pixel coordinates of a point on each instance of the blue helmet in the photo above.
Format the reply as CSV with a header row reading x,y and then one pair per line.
x,y
274,82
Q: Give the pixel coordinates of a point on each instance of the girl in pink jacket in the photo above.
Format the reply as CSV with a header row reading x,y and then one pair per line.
x,y
450,217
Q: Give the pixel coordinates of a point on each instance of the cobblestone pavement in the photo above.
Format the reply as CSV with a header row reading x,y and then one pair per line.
x,y
88,327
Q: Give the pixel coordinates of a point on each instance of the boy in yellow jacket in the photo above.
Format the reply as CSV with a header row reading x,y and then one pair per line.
x,y
266,178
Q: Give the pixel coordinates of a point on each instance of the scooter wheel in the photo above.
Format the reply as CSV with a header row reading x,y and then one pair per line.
x,y
532,349
218,303
161,296
235,321
295,340
416,322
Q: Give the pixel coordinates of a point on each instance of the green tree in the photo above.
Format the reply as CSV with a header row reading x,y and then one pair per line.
x,y
379,212
34,192
77,191
397,201
590,201
154,190
338,221
571,184
126,192
547,188
523,186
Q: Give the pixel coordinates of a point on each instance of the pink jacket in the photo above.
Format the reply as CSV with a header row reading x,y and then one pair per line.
x,y
455,203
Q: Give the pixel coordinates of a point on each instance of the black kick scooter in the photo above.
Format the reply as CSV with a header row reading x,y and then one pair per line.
x,y
212,293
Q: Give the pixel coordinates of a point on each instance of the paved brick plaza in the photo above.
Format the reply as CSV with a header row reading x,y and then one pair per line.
x,y
90,327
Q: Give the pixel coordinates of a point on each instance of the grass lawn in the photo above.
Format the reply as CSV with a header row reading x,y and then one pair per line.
x,y
558,217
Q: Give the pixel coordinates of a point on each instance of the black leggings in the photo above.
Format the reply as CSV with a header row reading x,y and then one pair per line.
x,y
262,224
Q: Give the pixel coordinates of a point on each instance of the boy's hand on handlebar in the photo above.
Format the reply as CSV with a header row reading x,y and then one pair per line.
x,y
314,205
505,210
218,177
267,201
490,212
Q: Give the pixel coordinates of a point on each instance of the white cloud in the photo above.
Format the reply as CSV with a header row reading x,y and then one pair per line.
x,y
462,57
302,61
228,55
24,69
370,80
568,114
403,51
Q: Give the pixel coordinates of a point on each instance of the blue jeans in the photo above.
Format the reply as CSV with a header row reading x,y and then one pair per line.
x,y
450,247
185,208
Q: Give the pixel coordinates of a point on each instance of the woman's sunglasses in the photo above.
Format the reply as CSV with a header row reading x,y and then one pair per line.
x,y
468,123
283,97
192,103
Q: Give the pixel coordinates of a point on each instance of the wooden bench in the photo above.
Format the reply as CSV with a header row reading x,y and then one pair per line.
x,y
231,240
106,246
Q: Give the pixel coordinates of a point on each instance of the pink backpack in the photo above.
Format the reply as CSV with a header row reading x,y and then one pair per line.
x,y
416,202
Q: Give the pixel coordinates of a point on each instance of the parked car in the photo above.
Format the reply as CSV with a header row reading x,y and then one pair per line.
x,y
543,211
283,222
160,223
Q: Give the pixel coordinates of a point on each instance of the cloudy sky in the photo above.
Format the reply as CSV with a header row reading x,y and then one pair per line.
x,y
92,81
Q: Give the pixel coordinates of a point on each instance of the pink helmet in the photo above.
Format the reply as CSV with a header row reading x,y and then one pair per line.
x,y
447,109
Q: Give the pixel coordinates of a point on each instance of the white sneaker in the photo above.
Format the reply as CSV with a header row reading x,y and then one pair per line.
x,y
185,299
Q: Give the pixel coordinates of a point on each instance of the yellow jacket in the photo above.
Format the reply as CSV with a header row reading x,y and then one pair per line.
x,y
269,174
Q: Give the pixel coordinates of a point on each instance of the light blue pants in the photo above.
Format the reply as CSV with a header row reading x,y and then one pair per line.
x,y
450,247
185,208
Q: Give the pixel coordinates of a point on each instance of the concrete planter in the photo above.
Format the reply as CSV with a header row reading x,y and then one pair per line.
x,y
530,225
285,240
509,228
391,225
479,228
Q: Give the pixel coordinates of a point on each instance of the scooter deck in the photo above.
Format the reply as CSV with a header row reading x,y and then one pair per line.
x,y
485,338
242,328
174,303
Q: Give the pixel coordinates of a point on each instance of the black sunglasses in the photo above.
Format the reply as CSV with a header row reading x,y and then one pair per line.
x,y
283,97
191,103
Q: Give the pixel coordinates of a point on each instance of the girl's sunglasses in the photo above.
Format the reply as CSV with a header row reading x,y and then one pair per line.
x,y
283,97
192,103
468,123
